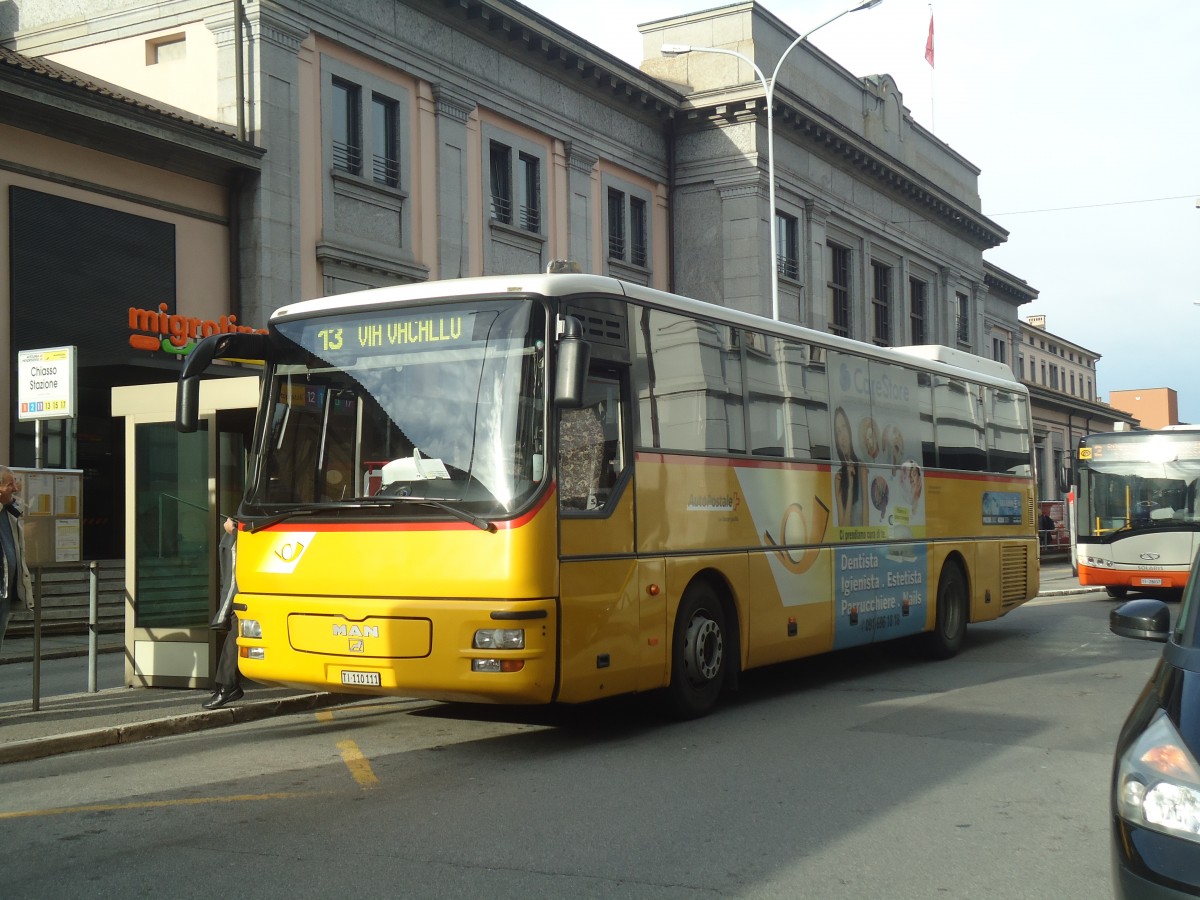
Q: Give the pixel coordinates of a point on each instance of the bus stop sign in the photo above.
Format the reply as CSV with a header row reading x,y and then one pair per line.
x,y
46,384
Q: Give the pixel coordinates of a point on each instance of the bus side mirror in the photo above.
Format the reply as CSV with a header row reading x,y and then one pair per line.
x,y
574,354
1064,476
248,346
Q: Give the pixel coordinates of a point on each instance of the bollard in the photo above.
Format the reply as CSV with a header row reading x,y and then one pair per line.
x,y
93,622
37,638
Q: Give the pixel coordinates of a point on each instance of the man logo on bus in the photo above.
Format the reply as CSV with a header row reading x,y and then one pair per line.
x,y
358,631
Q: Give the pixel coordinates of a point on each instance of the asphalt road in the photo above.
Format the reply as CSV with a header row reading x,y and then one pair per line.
x,y
864,774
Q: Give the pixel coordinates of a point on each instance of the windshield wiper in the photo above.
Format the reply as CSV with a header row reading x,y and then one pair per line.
x,y
478,521
258,523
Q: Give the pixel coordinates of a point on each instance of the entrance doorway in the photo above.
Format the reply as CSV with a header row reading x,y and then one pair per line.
x,y
179,487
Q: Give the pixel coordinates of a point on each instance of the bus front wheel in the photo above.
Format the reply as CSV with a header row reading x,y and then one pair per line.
x,y
1116,591
699,657
950,625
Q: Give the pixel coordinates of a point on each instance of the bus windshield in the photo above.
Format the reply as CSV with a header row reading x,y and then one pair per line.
x,y
387,408
1124,494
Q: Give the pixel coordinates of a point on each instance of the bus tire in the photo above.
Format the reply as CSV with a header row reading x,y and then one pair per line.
x,y
699,655
950,618
1117,592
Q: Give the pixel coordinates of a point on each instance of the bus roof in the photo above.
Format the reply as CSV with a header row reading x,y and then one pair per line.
x,y
934,357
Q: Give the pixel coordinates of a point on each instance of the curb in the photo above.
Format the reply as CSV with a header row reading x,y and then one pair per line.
x,y
111,736
1094,590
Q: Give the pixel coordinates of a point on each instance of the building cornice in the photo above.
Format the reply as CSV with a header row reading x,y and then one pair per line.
x,y
817,133
548,45
1007,285
1091,410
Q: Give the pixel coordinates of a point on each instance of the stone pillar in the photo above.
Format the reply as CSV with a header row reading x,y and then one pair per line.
x,y
745,282
453,194
583,215
815,219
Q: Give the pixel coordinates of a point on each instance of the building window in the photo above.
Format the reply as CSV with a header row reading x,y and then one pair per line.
x,y
385,164
1043,371
167,49
962,326
531,193
1021,366
917,291
347,127
881,302
628,228
500,157
616,224
838,280
637,231
1072,384
522,187
787,246
1054,376
999,350
1089,389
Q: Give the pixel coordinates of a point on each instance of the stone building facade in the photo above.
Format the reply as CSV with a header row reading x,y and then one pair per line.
x,y
414,139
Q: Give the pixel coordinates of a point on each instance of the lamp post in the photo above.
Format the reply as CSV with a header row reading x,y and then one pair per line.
x,y
768,87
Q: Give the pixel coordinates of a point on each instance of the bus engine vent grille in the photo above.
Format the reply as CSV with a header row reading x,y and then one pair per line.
x,y
1014,574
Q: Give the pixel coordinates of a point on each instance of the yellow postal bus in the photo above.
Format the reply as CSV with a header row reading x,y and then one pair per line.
x,y
555,488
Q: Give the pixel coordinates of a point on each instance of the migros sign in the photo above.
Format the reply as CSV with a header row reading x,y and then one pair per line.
x,y
159,329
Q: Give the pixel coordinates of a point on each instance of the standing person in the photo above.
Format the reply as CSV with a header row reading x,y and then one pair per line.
x,y
15,583
1046,528
228,679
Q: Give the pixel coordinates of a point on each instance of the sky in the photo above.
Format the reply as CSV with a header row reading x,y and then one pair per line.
x,y
1083,117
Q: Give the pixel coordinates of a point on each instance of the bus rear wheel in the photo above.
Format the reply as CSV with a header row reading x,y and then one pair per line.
x,y
699,657
950,624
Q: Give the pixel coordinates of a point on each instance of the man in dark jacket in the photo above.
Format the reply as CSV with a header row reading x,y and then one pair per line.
x,y
228,679
15,583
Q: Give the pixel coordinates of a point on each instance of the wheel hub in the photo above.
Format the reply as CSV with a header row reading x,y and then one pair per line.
x,y
705,650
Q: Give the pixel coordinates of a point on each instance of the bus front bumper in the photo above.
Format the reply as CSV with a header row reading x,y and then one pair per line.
x,y
459,650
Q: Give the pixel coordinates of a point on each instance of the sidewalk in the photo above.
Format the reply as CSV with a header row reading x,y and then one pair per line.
x,y
86,721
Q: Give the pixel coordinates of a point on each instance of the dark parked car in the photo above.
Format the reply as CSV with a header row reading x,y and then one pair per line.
x,y
1156,777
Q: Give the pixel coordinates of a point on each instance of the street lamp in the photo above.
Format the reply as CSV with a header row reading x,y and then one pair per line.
x,y
769,94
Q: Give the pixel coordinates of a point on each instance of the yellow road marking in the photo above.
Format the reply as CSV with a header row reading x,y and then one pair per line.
x,y
151,804
358,765
324,716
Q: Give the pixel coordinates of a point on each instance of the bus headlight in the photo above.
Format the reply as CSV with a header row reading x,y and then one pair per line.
x,y
251,628
497,665
499,639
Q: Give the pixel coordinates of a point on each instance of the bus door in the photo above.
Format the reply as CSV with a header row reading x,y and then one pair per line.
x,y
601,609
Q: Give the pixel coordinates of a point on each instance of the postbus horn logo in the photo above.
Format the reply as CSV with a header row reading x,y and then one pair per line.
x,y
160,329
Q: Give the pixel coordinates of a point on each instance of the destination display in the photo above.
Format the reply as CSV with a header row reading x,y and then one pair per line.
x,y
390,331
1159,448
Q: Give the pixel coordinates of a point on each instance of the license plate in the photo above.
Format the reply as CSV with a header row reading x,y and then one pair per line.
x,y
1151,581
364,679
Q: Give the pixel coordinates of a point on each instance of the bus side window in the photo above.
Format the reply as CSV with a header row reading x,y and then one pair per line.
x,y
589,447
581,458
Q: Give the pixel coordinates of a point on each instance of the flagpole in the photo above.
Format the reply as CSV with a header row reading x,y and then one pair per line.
x,y
929,59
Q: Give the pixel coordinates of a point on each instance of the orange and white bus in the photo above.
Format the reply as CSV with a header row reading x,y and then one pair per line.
x,y
1136,522
556,488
